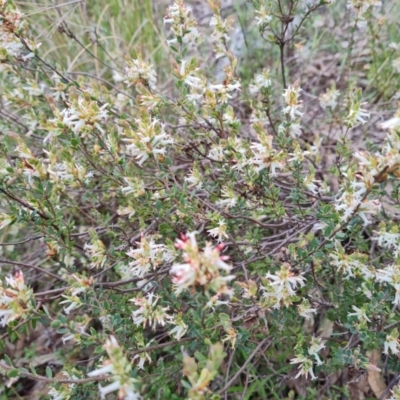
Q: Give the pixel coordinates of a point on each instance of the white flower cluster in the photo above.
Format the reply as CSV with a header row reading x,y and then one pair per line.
x,y
220,231
261,82
350,265
84,115
263,18
329,98
12,29
119,369
306,363
293,103
146,257
70,173
63,391
79,284
183,25
140,72
201,268
265,156
15,299
96,250
148,139
280,288
152,314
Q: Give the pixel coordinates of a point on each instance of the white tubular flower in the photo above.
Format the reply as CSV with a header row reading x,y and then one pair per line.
x,y
15,299
223,91
216,153
63,391
70,173
150,138
369,207
141,72
263,18
147,256
305,367
229,198
265,156
360,313
75,302
221,28
13,23
149,312
201,268
220,231
389,240
80,284
215,302
355,113
391,276
351,202
261,82
293,103
143,358
183,25
392,123
195,179
84,115
135,187
347,264
392,342
295,130
315,347
189,78
283,285
97,252
180,327
129,211
329,98
365,290
285,279
304,309
5,220
119,369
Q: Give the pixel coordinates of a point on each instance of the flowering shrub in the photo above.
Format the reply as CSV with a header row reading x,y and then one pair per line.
x,y
199,231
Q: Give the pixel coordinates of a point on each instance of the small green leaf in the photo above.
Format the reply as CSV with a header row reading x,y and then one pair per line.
x,y
341,236
74,142
49,372
13,373
99,350
327,231
8,360
318,254
56,324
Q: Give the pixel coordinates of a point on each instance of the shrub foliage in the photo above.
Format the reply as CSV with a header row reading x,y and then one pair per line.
x,y
209,229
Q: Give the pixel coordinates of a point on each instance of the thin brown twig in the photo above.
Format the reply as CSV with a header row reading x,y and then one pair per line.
x,y
243,367
35,267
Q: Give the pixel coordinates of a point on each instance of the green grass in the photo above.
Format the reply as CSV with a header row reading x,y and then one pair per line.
x,y
106,32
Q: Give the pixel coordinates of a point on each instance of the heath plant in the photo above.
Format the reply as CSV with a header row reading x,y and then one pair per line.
x,y
218,225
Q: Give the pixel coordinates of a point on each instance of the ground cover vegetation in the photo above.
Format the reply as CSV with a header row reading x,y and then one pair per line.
x,y
199,200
